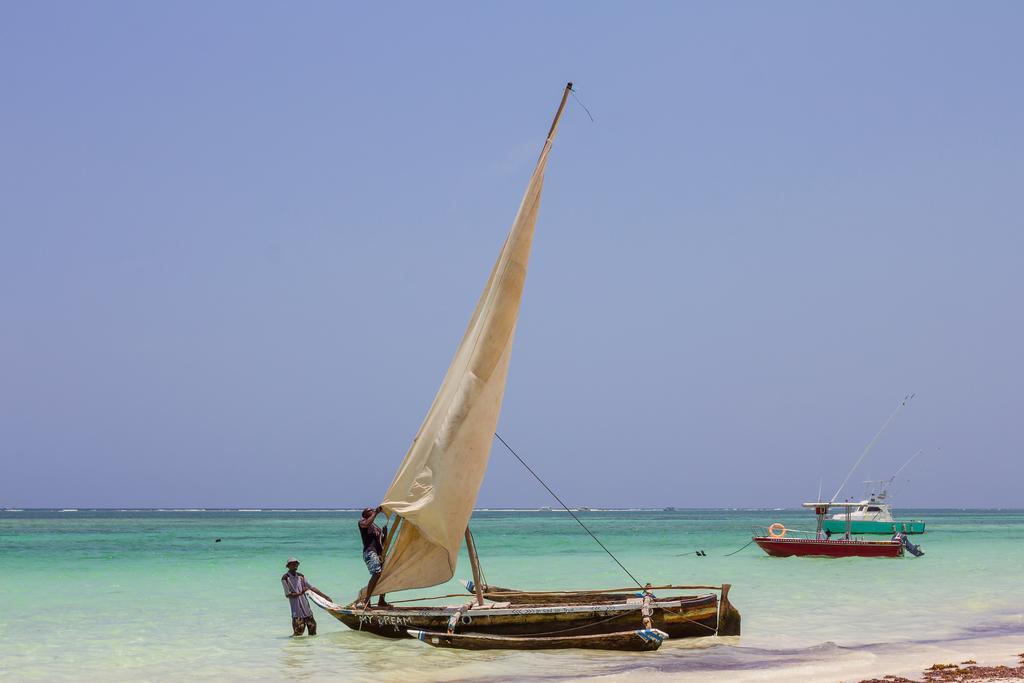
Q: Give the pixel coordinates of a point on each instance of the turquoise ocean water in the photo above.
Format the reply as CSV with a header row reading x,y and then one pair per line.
x,y
149,595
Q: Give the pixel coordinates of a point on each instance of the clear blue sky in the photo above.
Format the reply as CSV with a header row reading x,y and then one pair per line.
x,y
240,242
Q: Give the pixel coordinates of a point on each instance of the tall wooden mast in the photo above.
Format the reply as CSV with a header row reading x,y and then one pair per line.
x,y
558,114
474,562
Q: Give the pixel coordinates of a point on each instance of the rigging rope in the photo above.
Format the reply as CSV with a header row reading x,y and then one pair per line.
x,y
686,618
701,553
579,102
555,496
736,551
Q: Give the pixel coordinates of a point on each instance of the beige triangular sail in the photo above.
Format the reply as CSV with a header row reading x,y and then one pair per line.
x,y
435,488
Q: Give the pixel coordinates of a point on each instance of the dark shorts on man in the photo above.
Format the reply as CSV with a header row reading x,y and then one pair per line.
x,y
300,624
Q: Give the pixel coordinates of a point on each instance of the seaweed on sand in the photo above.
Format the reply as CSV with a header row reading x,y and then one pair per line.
x,y
964,671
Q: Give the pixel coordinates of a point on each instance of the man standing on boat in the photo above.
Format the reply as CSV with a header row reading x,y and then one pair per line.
x,y
373,550
295,585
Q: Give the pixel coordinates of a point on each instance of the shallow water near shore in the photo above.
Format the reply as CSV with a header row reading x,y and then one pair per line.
x,y
150,595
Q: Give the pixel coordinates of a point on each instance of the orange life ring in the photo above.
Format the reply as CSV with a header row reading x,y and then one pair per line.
x,y
777,527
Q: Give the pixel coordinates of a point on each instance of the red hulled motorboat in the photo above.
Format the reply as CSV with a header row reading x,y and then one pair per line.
x,y
778,541
812,547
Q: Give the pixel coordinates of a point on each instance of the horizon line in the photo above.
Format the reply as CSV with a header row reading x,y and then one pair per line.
x,y
481,509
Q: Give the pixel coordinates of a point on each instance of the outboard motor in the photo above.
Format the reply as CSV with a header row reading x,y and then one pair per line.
x,y
912,548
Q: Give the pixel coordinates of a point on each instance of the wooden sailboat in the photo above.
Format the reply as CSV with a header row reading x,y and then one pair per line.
x,y
431,499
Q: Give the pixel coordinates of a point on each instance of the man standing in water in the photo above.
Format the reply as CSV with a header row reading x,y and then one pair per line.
x,y
373,550
295,585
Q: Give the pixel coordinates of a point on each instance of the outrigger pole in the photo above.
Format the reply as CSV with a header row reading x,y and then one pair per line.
x,y
871,444
919,452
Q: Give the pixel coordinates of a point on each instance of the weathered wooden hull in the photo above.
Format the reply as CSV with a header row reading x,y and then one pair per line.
x,y
728,616
808,547
684,617
639,640
499,594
